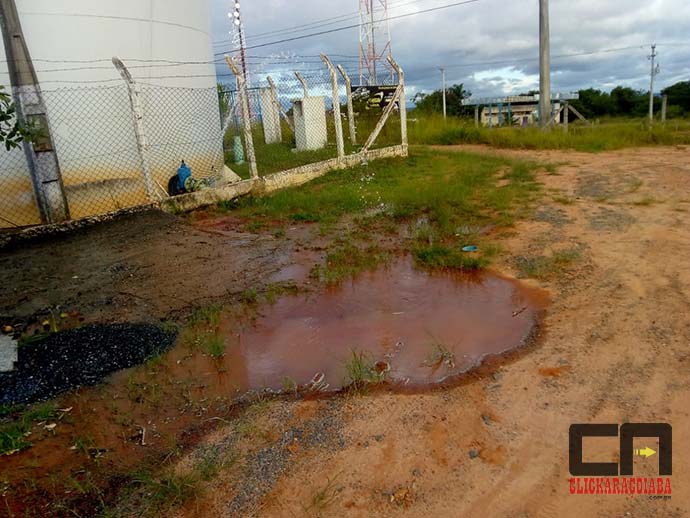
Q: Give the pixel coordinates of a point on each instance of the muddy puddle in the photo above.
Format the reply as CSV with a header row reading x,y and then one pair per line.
x,y
414,328
420,329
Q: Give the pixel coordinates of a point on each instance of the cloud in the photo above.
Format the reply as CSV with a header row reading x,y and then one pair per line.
x,y
491,45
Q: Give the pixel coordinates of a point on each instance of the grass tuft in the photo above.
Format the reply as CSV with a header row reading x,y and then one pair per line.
x,y
361,372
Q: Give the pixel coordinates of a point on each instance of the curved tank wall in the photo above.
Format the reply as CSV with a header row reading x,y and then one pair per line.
x,y
167,45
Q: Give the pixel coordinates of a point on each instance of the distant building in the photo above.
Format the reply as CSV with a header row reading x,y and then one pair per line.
x,y
520,110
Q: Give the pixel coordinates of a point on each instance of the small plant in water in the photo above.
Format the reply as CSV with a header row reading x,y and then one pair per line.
x,y
440,355
289,385
361,371
215,346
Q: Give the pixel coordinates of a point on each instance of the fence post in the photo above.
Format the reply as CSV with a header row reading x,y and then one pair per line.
x,y
566,116
246,121
305,86
274,92
476,116
138,112
336,107
41,156
350,109
664,107
402,100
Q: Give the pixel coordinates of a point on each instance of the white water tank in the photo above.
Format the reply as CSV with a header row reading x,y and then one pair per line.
x,y
167,45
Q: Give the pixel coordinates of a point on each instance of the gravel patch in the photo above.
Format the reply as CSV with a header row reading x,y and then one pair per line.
x,y
611,220
594,186
552,215
265,467
80,357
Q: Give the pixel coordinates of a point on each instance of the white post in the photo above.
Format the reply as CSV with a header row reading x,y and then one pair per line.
x,y
139,129
336,107
402,100
246,121
274,92
305,86
350,109
664,107
651,85
443,79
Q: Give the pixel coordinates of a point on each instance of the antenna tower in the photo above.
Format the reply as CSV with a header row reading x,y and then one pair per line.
x,y
374,43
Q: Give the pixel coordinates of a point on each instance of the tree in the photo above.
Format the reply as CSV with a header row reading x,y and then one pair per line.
x,y
679,95
12,131
433,102
625,100
594,103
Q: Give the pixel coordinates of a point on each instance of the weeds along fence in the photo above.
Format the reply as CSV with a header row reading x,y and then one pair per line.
x,y
118,146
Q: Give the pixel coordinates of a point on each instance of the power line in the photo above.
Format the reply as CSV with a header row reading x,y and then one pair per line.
x,y
347,27
532,59
311,25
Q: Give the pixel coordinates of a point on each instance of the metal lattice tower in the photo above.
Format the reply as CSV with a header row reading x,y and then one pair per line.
x,y
374,43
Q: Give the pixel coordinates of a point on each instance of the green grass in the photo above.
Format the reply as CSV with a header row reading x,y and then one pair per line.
x,y
605,136
450,187
273,158
449,190
361,372
444,257
440,355
16,423
346,260
322,499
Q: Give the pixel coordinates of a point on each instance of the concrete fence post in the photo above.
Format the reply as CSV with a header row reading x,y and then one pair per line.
x,y
246,120
566,117
401,100
664,107
305,86
274,92
139,129
350,108
336,107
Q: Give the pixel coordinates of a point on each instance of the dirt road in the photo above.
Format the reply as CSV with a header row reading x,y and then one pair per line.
x,y
616,349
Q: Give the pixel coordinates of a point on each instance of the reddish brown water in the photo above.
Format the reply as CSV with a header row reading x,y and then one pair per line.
x,y
424,327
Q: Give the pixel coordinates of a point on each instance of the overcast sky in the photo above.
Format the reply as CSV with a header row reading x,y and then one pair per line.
x,y
463,37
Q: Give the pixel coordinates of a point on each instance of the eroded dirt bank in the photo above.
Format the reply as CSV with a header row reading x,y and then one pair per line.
x,y
609,239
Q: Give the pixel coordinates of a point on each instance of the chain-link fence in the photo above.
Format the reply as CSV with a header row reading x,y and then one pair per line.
x,y
294,120
102,163
120,146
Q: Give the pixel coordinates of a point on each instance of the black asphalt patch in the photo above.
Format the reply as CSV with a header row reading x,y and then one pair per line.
x,y
80,357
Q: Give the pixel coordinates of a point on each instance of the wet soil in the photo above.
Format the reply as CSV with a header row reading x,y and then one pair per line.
x,y
144,267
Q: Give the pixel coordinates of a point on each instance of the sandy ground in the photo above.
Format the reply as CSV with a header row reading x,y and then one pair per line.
x,y
616,350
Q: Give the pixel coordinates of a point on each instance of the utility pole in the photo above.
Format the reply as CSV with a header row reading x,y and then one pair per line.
x,y
544,64
443,76
653,74
41,157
